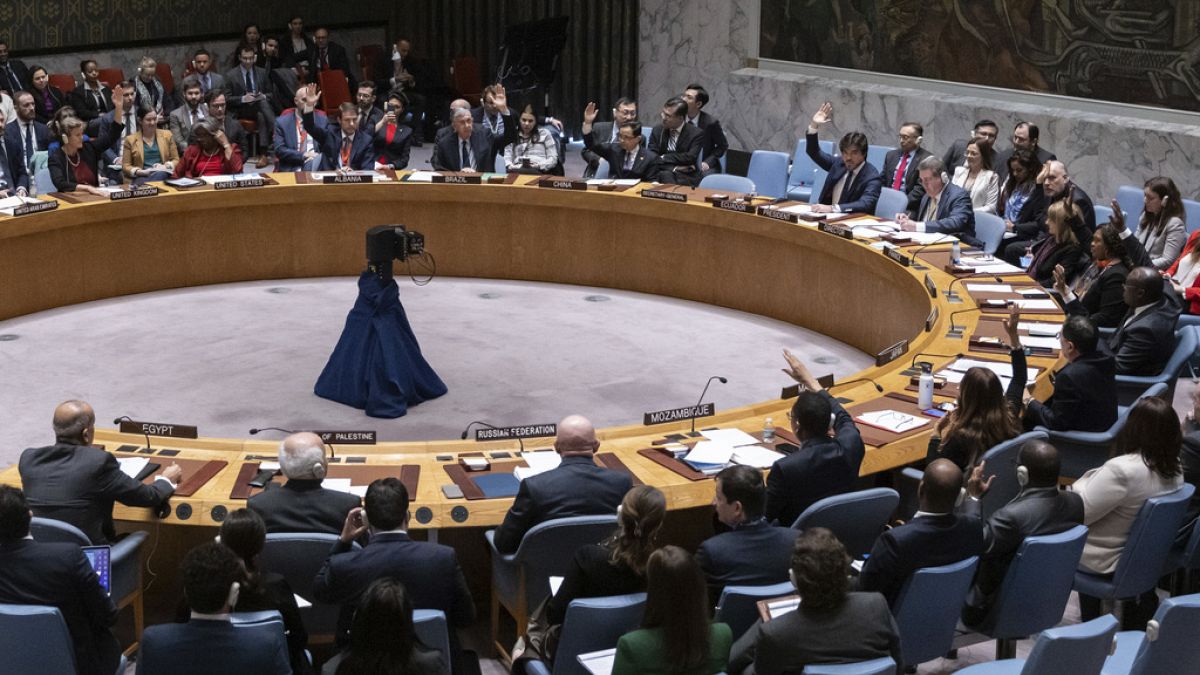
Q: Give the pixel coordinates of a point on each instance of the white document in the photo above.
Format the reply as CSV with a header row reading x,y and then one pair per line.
x,y
421,177
989,288
268,466
867,233
1001,369
730,437
598,663
783,606
797,208
924,238
1031,291
991,267
9,204
892,420
1041,342
213,180
555,584
857,565
301,603
109,189
857,222
1040,329
756,455
359,491
886,226
132,466
542,461
339,484
613,181
710,452
1036,304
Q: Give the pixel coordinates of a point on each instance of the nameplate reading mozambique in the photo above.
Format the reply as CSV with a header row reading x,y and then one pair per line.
x,y
930,286
457,180
836,230
892,353
896,256
158,429
240,183
932,318
665,194
347,437
26,209
785,216
563,184
134,193
676,414
505,433
348,178
734,205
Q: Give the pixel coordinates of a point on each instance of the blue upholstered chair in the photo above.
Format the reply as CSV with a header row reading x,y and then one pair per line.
x,y
1184,557
856,518
1169,646
1001,461
602,169
989,228
1103,213
298,557
883,666
804,172
769,171
592,624
818,184
725,181
433,631
1132,200
266,617
876,154
1079,649
738,606
1130,388
890,203
928,607
1191,209
1083,450
34,639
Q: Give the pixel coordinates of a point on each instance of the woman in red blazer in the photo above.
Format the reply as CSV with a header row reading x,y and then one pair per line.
x,y
1185,274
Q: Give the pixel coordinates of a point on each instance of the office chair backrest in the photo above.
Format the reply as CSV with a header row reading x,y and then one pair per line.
x,y
34,639
1079,649
856,518
1038,583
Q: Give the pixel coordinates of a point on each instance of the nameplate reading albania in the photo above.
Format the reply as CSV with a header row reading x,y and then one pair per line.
x,y
676,414
348,178
239,183
347,437
506,433
134,193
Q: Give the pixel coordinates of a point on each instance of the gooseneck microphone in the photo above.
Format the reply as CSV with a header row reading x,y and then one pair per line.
x,y
693,433
972,277
913,363
955,328
857,379
489,426
944,240
126,418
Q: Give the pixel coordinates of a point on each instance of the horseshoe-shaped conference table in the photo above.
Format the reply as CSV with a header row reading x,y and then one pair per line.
x,y
790,271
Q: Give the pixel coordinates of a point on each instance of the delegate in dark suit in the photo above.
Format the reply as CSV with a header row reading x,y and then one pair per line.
x,y
429,571
203,647
602,132
1144,342
285,142
859,195
14,133
14,76
37,573
89,103
955,155
954,215
330,138
576,488
78,484
715,144
15,175
910,183
1001,164
924,541
752,554
483,143
821,467
1029,232
333,57
1103,303
645,164
1085,395
302,506
677,166
392,145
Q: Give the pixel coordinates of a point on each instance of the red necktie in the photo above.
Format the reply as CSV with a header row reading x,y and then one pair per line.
x,y
898,184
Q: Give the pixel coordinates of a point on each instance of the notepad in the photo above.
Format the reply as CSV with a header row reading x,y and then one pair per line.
x,y
497,485
1001,369
989,288
598,663
756,456
132,466
931,237
731,437
710,452
892,420
1040,342
797,208
778,608
10,204
1036,304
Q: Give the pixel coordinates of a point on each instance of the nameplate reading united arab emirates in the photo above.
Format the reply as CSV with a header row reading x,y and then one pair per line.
x,y
734,205
676,414
895,255
772,212
158,429
505,433
836,230
347,437
665,194
349,178
891,353
930,286
239,183
134,193
457,180
563,184
26,209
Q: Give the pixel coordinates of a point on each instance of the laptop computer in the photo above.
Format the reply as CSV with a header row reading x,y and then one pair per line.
x,y
101,559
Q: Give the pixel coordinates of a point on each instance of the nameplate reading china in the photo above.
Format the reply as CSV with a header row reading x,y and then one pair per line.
x,y
239,183
891,353
930,286
772,212
665,194
457,180
505,433
734,205
26,209
836,230
134,193
158,429
563,184
676,414
347,437
895,255
348,178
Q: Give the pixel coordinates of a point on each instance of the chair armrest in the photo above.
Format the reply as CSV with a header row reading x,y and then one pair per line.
x,y
536,668
1083,437
1145,379
128,547
490,537
910,472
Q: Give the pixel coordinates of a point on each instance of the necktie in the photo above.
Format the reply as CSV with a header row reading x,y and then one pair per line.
x,y
671,141
898,183
207,83
28,144
466,156
324,60
4,185
302,135
347,141
249,82
11,78
842,187
931,211
629,159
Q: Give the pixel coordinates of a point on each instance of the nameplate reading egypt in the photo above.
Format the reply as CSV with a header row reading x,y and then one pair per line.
x,y
163,429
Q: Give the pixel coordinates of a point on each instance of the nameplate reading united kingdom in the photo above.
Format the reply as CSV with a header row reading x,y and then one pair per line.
x,y
165,429
676,414
134,193
665,194
772,212
26,209
239,183
836,230
563,184
505,433
349,178
457,180
734,205
895,255
347,437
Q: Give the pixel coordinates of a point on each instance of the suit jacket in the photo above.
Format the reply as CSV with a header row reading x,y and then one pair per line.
x,y
985,191
1038,229
485,145
367,122
302,506
329,140
430,572
14,162
576,488
602,132
237,89
1084,399
214,80
287,51
394,153
687,147
1103,303
133,151
337,60
13,132
715,144
57,98
643,652
181,125
84,103
510,125
859,197
107,127
924,541
860,630
21,71
645,165
202,647
820,468
1043,156
752,554
78,484
1143,343
911,183
92,153
58,574
955,155
285,142
954,215
236,134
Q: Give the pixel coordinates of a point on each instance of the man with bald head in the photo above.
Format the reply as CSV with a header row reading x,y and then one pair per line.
x,y
1039,508
301,504
576,488
935,536
1056,184
1145,338
77,483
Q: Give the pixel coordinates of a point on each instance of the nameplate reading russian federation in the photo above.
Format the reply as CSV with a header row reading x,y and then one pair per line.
x,y
26,209
895,255
134,193
930,286
563,184
505,433
932,318
892,353
676,414
836,230
158,429
347,437
775,213
665,194
734,205
457,180
348,178
240,183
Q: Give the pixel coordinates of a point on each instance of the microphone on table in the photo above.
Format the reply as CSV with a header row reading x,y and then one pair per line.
x,y
945,239
255,432
913,363
957,329
126,418
973,277
723,380
857,379
489,426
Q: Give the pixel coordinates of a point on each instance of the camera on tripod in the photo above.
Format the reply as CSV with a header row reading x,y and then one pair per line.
x,y
393,242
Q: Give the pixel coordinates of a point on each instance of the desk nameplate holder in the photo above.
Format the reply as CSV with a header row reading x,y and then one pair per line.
x,y
932,318
677,414
932,287
829,227
735,205
895,255
510,433
134,193
563,184
889,354
29,209
776,214
240,183
348,178
348,437
457,180
667,195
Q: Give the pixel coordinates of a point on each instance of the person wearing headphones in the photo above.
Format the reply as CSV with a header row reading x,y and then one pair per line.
x,y
945,209
301,504
1039,508
75,165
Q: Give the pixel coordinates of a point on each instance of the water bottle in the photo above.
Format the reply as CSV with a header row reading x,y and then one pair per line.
x,y
768,434
925,387
955,253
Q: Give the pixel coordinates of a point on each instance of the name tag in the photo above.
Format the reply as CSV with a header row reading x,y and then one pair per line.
x,y
26,209
895,255
835,230
348,178
665,194
134,193
734,205
563,184
242,183
457,180
785,216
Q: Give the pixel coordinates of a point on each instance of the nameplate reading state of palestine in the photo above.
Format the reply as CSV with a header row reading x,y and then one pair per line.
x,y
457,180
240,183
158,429
134,193
836,230
676,414
891,353
563,184
347,437
505,433
665,194
349,178
734,205
26,209
895,255
772,212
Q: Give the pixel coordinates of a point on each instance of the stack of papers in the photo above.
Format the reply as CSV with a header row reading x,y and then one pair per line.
x,y
132,466
1040,342
599,663
1036,304
613,181
758,456
892,420
9,204
343,485
782,606
924,238
989,264
421,177
989,288
797,208
539,462
1040,329
709,456
731,437
955,371
213,180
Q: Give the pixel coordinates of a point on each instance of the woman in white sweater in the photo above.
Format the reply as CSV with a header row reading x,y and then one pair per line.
x,y
1144,463
977,177
1162,229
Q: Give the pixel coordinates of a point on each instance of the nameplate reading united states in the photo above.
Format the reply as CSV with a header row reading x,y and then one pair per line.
x,y
665,194
892,353
895,255
158,429
457,180
772,212
676,414
734,205
347,437
348,178
505,433
26,209
836,230
563,184
134,193
239,183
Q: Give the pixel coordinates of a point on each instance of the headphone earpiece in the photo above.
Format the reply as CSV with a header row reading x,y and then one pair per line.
x,y
318,470
64,139
920,139
945,178
1022,475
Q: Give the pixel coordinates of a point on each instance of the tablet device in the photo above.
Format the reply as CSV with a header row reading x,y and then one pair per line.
x,y
100,558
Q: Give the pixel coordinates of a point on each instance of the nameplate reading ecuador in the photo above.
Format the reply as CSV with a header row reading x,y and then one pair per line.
x,y
26,209
457,180
734,205
348,178
505,433
134,193
239,183
347,437
665,194
562,184
772,212
158,429
895,255
892,353
676,414
836,230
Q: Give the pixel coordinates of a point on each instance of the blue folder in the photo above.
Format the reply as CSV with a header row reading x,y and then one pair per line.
x,y
497,485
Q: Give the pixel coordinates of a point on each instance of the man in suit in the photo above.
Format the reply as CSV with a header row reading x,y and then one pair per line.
x,y
935,536
468,147
715,144
77,483
429,571
344,146
577,487
294,148
1040,508
209,643
326,54
59,575
1025,136
985,132
823,465
1056,184
624,111
488,116
369,114
249,96
128,125
945,208
26,135
202,63
92,98
14,179
193,110
215,106
1145,339
447,130
853,185
627,157
677,144
753,552
301,504
1085,390
14,76
900,165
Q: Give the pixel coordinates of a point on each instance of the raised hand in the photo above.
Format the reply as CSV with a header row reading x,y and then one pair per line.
x,y
1012,324
799,372
823,115
500,98
1118,217
590,112
1044,173
1060,280
311,95
976,486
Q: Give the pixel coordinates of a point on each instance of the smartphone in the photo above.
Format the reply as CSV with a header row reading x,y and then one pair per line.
x,y
934,412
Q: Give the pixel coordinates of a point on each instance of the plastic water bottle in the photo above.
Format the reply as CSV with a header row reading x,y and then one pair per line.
x,y
955,253
925,387
768,434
